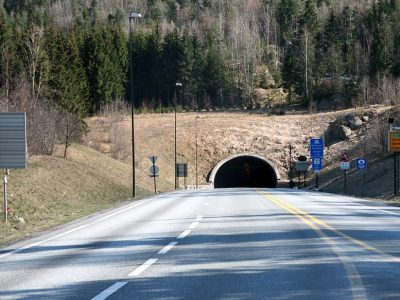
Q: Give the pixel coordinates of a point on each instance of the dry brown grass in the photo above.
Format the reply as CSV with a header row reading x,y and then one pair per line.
x,y
220,134
54,190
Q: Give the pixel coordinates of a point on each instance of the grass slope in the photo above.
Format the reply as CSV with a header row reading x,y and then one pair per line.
x,y
54,190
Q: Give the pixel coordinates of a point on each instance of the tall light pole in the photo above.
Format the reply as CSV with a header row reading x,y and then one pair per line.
x,y
132,16
177,85
195,132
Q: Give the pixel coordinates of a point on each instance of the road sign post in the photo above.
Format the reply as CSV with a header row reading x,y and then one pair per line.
x,y
362,165
154,170
394,147
317,167
345,165
317,154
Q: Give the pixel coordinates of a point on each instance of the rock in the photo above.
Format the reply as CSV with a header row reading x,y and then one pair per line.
x,y
21,220
336,133
343,132
365,118
355,123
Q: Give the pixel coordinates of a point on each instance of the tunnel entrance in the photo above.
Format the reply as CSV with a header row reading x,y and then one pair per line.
x,y
245,170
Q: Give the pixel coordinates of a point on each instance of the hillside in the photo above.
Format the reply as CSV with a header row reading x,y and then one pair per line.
x,y
222,134
54,190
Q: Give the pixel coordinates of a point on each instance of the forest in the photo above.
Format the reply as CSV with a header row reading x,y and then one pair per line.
x,y
63,60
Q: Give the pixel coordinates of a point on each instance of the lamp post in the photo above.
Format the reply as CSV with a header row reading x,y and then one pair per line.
x,y
195,129
132,16
177,85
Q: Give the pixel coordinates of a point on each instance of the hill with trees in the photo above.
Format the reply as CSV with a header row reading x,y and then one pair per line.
x,y
64,60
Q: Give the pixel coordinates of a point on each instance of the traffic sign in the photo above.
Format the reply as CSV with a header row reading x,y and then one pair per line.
x,y
394,141
301,166
317,148
362,164
153,158
317,164
154,170
345,165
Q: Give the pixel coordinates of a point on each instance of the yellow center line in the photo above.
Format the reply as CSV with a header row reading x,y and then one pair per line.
x,y
357,286
364,245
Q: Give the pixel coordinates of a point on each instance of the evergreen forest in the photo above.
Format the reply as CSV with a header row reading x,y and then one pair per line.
x,y
62,60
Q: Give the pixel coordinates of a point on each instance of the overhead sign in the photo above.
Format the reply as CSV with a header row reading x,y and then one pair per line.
x,y
301,166
317,148
362,164
317,164
394,141
345,165
12,141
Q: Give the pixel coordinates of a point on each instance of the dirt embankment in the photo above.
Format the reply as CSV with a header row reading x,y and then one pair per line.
x,y
221,135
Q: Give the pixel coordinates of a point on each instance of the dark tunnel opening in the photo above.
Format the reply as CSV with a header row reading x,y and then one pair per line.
x,y
246,171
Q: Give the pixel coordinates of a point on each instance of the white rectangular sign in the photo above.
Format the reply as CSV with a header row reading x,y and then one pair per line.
x,y
345,165
12,141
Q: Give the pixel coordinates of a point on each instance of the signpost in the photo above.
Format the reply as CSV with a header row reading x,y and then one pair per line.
x,y
302,166
182,171
317,148
12,147
362,165
394,147
154,170
317,167
345,165
317,154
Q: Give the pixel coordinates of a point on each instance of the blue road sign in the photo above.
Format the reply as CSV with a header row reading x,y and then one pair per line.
x,y
362,164
317,148
317,164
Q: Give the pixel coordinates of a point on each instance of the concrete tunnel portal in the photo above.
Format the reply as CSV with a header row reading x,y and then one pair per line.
x,y
245,170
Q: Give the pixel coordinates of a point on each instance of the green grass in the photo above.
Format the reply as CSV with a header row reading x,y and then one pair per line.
x,y
54,190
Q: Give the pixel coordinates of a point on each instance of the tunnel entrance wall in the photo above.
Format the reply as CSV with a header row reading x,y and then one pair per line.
x,y
245,170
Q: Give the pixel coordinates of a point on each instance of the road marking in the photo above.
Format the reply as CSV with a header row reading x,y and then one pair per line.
x,y
184,234
167,248
194,225
199,218
74,229
357,285
371,207
111,290
139,270
359,204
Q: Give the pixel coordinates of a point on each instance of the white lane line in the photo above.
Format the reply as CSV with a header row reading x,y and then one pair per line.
x,y
167,248
139,270
111,290
184,234
194,225
199,218
73,230
366,207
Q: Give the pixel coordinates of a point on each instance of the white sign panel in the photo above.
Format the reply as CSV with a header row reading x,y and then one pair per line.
x,y
345,165
12,141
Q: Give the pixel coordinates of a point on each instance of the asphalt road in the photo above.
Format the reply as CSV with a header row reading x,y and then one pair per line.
x,y
215,244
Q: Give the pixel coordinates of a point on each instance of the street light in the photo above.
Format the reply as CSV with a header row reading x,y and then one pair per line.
x,y
177,85
195,131
133,16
